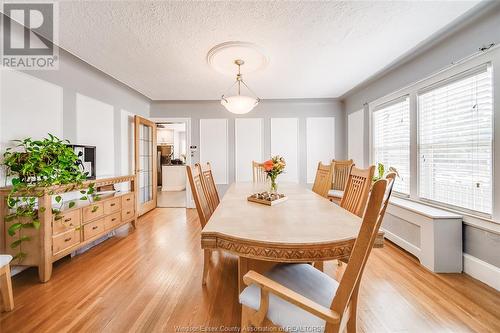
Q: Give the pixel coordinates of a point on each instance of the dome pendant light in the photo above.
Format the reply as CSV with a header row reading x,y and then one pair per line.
x,y
239,104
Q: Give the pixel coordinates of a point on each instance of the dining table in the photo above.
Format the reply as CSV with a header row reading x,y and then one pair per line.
x,y
304,228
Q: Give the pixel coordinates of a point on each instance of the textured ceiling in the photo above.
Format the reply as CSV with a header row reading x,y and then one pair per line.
x,y
315,49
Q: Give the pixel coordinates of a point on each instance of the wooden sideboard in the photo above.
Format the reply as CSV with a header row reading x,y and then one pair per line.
x,y
80,225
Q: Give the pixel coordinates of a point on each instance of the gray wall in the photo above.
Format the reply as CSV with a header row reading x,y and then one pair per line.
x,y
77,77
267,109
481,29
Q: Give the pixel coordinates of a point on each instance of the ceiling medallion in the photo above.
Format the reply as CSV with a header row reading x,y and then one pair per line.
x,y
221,57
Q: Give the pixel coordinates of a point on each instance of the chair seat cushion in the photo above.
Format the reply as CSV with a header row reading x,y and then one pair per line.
x,y
303,279
5,259
336,193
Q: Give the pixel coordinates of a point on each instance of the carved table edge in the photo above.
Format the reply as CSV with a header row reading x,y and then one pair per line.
x,y
280,253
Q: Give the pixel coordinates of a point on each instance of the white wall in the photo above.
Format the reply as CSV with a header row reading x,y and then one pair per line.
x,y
214,147
30,107
320,140
248,138
95,127
23,114
285,142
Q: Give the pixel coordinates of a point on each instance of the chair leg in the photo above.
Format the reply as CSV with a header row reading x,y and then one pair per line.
x,y
245,319
351,324
206,262
6,289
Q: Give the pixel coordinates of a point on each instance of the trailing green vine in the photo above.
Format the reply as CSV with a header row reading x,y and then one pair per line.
x,y
34,166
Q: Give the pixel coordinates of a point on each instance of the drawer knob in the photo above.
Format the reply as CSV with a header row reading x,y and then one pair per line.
x,y
128,212
112,204
94,227
67,239
67,220
128,199
113,219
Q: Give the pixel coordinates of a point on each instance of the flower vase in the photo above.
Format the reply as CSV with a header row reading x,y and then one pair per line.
x,y
274,186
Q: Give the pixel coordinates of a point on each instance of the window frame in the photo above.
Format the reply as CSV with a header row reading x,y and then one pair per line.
x,y
452,79
379,107
442,77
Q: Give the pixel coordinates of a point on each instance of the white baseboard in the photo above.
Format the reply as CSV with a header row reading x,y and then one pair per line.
x,y
482,271
402,243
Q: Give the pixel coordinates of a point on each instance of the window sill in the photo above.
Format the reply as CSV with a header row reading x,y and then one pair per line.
x,y
432,211
423,209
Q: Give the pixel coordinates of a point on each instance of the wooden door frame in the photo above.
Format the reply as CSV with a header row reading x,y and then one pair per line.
x,y
141,208
187,121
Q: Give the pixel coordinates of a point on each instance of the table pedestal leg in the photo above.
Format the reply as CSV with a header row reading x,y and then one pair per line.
x,y
246,264
318,265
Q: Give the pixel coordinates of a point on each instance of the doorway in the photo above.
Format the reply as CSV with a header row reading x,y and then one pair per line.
x,y
172,158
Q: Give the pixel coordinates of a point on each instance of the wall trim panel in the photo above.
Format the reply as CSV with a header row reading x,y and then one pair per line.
x,y
248,146
214,140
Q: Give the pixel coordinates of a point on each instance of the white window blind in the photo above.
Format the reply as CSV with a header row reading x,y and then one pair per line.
x,y
455,141
391,140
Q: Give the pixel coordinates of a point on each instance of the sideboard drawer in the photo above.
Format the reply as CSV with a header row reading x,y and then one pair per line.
x,y
69,220
128,200
111,221
92,212
111,206
93,229
127,214
65,240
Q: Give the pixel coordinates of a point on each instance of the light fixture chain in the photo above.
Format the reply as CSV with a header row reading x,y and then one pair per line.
x,y
254,94
240,104
229,89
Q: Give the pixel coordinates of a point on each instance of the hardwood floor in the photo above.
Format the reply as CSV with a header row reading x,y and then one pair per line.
x,y
150,281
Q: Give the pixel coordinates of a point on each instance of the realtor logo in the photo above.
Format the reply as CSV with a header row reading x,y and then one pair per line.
x,y
29,33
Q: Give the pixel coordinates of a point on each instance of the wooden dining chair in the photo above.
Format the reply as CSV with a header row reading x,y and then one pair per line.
x,y
258,172
209,186
341,171
357,190
379,241
6,282
295,296
202,207
391,179
323,179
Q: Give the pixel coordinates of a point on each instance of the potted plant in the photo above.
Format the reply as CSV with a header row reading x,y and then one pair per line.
x,y
381,172
34,165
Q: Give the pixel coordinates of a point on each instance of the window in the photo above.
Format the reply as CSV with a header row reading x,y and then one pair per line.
x,y
391,140
455,141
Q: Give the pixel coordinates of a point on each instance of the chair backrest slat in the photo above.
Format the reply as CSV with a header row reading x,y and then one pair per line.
x,y
357,190
349,285
200,200
258,172
209,186
323,179
341,171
